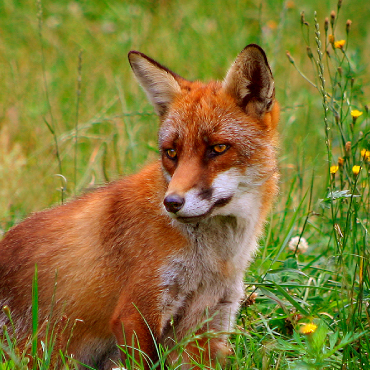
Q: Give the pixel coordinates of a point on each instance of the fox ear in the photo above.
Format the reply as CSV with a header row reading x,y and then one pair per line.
x,y
159,83
250,81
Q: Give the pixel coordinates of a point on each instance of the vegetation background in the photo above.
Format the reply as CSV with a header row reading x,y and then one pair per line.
x,y
73,117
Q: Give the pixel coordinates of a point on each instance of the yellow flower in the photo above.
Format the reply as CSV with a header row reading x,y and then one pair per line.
x,y
356,113
339,44
334,169
308,328
365,154
331,39
356,170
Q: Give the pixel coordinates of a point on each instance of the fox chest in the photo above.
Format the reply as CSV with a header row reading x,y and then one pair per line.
x,y
184,279
189,290
202,281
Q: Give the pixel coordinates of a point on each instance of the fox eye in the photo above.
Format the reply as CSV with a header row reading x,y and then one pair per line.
x,y
171,153
219,148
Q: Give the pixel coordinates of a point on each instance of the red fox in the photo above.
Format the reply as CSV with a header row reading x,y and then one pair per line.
x,y
151,258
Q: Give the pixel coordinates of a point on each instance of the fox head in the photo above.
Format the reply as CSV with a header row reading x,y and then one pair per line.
x,y
217,140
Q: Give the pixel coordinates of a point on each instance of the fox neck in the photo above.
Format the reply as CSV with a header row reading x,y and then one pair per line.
x,y
229,238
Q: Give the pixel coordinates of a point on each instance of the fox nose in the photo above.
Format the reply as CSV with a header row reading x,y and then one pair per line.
x,y
173,202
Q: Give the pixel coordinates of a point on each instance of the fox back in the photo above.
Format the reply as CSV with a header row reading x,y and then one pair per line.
x,y
160,255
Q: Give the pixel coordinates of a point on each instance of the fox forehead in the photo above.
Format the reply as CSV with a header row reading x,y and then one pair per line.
x,y
205,113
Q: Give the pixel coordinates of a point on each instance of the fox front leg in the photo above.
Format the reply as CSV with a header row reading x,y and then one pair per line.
x,y
136,330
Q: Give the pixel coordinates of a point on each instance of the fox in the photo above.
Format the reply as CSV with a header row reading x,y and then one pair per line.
x,y
158,256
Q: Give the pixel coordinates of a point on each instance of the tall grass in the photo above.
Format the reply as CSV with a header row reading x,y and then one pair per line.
x,y
85,118
324,294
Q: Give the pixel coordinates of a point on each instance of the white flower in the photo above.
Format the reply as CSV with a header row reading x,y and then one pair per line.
x,y
301,242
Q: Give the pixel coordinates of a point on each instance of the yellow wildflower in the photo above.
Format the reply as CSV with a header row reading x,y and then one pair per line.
x,y
334,169
308,328
356,113
356,170
339,44
331,39
365,154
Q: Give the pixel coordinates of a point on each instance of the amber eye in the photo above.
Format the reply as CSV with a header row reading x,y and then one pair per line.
x,y
171,153
220,148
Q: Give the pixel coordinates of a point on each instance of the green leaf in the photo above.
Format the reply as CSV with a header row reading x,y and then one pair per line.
x,y
336,195
291,300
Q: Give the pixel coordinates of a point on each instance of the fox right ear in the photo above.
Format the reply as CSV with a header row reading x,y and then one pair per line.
x,y
159,83
249,81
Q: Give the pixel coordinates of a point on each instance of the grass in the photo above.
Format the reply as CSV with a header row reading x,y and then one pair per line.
x,y
72,116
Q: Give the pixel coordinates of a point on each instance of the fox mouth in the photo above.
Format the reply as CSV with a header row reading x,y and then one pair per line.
x,y
195,219
191,219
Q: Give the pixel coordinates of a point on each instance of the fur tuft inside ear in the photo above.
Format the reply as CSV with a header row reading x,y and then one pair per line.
x,y
249,81
158,82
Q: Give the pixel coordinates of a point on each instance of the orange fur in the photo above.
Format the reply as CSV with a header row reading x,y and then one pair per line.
x,y
148,258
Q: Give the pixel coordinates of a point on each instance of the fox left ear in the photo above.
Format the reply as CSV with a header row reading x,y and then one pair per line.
x,y
249,81
159,83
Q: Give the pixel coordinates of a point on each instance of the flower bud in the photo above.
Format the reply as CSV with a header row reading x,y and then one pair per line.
x,y
348,25
309,52
347,147
332,18
6,310
326,24
290,58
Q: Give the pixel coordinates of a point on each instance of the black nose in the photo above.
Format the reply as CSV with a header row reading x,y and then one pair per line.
x,y
173,203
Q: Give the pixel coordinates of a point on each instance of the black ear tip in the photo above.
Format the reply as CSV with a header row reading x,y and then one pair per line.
x,y
256,52
132,53
254,46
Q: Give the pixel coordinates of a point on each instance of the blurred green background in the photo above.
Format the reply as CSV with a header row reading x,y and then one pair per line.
x,y
40,44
